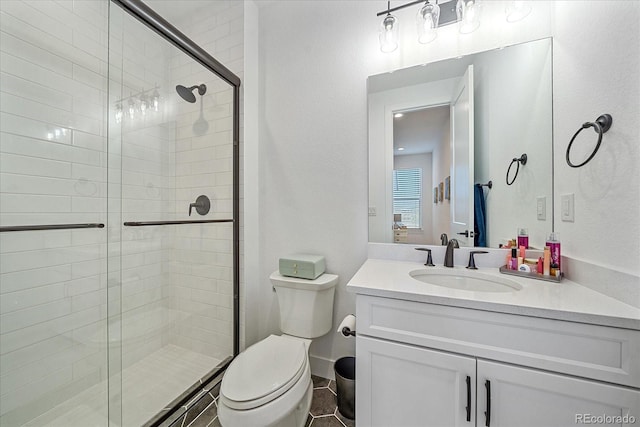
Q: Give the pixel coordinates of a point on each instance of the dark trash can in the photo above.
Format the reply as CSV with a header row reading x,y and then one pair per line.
x,y
345,371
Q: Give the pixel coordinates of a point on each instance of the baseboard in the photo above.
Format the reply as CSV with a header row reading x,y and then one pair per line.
x,y
322,367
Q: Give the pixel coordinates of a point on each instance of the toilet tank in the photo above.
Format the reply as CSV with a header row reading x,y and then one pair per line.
x,y
306,306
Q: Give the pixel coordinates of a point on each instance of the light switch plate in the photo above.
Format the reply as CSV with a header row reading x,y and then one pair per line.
x,y
372,211
541,206
567,207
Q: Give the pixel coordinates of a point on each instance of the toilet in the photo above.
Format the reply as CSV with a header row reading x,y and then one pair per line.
x,y
269,384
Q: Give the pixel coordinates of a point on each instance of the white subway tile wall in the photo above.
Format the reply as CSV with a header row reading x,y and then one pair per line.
x,y
53,62
64,66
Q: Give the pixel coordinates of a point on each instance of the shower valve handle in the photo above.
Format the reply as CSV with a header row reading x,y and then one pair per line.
x,y
202,205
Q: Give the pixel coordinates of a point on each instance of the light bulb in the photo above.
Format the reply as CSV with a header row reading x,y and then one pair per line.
x,y
144,104
132,109
119,113
427,22
468,12
517,10
155,100
388,34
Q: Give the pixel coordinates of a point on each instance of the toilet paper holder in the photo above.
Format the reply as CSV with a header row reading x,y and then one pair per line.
x,y
348,326
346,331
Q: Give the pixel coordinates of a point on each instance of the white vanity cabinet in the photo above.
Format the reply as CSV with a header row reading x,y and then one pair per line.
x,y
405,385
526,397
414,361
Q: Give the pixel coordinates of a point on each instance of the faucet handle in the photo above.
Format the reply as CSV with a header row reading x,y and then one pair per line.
x,y
429,262
444,240
202,205
472,262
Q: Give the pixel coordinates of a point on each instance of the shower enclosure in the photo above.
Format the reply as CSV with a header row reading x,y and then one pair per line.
x,y
118,287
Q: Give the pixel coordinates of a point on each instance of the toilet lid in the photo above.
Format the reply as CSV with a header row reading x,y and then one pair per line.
x,y
263,372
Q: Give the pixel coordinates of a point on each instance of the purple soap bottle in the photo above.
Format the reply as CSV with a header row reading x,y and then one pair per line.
x,y
554,246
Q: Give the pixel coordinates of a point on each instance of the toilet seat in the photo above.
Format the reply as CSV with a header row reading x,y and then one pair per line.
x,y
263,372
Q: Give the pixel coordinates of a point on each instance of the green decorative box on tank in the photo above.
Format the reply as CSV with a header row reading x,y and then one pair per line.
x,y
303,266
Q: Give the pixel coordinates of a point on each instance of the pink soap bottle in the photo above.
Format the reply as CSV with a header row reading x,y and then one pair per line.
x,y
523,238
554,246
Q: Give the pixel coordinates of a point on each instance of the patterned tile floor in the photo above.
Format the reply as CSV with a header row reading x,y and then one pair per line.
x,y
323,413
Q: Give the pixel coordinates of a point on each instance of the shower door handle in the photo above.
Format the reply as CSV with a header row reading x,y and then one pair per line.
x,y
7,228
202,205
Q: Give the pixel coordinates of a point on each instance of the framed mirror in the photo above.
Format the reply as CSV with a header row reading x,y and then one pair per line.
x,y
440,132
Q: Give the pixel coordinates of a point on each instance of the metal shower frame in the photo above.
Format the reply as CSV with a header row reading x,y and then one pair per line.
x,y
152,20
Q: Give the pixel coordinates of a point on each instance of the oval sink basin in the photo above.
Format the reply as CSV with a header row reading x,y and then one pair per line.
x,y
465,280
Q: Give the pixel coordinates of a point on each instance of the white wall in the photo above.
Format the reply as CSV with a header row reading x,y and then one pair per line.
x,y
607,190
313,128
514,116
313,173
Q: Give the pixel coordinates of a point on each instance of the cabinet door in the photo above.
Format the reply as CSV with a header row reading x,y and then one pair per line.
x,y
400,385
526,397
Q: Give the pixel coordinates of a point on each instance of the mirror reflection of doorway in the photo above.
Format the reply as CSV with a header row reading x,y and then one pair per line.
x,y
421,160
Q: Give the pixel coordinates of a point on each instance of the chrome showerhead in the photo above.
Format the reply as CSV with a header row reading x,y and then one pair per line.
x,y
187,93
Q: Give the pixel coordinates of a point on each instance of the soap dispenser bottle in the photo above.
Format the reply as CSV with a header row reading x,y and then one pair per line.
x,y
554,245
523,238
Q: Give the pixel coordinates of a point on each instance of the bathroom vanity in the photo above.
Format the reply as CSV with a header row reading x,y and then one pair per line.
x,y
536,354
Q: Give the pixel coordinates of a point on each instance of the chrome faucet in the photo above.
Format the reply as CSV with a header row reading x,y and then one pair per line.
x,y
448,255
444,239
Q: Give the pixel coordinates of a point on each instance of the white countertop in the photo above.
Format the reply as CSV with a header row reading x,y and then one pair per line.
x,y
566,300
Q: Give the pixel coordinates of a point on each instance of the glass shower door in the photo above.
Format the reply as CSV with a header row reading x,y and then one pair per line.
x,y
53,257
171,257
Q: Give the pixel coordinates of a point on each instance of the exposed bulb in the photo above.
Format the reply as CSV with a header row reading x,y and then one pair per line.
x,y
132,109
119,113
155,100
144,104
517,10
388,34
427,21
468,12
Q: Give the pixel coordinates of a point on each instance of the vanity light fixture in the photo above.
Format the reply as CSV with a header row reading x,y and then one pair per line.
x,y
430,16
437,13
138,104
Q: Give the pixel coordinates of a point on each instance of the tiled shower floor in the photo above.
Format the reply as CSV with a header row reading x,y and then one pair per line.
x,y
323,412
148,385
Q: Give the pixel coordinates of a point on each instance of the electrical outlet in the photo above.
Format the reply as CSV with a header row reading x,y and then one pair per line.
x,y
541,206
567,207
372,211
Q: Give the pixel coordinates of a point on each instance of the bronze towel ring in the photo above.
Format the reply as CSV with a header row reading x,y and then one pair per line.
x,y
522,160
601,125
